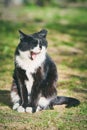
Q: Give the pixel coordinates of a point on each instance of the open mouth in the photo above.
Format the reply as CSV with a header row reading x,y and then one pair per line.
x,y
34,54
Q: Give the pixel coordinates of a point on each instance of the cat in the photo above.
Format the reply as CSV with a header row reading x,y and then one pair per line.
x,y
34,86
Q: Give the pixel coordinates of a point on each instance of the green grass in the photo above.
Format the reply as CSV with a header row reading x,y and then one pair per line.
x,y
67,37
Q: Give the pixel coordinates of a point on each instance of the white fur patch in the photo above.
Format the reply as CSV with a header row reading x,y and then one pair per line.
x,y
15,106
14,97
20,109
29,65
29,109
38,109
36,49
43,102
29,83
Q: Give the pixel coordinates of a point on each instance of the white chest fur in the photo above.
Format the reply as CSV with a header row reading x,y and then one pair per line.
x,y
29,83
30,66
27,64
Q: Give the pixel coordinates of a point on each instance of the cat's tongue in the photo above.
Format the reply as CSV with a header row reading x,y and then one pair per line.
x,y
33,55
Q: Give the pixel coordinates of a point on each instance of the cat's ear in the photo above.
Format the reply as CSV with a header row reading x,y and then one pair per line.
x,y
43,33
22,35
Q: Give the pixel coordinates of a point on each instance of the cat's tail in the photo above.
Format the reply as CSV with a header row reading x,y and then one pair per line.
x,y
68,101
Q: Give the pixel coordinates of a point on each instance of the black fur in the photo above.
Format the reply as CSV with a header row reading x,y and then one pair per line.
x,y
69,101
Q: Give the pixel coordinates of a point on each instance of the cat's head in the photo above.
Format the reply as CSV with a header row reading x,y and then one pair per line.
x,y
33,45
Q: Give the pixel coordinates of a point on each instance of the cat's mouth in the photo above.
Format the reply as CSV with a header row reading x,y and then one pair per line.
x,y
34,54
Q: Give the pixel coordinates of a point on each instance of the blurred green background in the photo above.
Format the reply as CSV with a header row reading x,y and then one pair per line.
x,y
66,22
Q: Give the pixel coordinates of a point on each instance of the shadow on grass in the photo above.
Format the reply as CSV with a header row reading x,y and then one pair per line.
x,y
5,98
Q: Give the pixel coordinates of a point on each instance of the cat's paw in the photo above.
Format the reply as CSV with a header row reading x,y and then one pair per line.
x,y
21,109
15,106
29,109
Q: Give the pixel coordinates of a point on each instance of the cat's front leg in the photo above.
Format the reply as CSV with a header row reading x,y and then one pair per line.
x,y
22,107
24,98
15,98
25,106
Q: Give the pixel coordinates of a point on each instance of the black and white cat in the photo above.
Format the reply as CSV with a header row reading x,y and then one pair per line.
x,y
35,75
